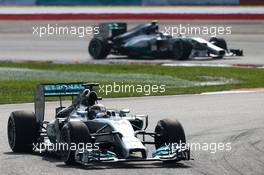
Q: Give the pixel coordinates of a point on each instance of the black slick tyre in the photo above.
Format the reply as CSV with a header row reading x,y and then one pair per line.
x,y
169,131
219,42
22,131
73,134
99,48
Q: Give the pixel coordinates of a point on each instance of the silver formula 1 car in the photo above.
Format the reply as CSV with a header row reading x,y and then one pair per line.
x,y
87,132
145,41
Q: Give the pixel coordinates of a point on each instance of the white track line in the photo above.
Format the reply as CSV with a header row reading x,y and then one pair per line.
x,y
233,92
131,10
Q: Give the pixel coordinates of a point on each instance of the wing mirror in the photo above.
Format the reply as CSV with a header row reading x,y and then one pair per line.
x,y
125,111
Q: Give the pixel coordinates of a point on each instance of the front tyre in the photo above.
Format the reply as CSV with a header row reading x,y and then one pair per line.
x,y
177,49
22,131
219,42
169,131
182,49
187,49
73,134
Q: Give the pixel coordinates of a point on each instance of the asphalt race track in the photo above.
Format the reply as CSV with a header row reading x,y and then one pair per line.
x,y
17,42
220,118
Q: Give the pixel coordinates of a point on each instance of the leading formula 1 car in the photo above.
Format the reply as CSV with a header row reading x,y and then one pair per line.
x,y
111,135
145,41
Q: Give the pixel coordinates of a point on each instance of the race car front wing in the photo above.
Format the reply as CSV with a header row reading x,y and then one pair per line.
x,y
165,153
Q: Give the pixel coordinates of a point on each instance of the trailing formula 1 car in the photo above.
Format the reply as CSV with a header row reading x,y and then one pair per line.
x,y
145,41
87,132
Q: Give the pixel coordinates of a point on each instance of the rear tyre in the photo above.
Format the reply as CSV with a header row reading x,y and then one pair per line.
x,y
73,134
99,48
219,42
22,131
169,131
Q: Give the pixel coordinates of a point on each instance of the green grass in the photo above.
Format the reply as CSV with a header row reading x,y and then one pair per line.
x,y
18,80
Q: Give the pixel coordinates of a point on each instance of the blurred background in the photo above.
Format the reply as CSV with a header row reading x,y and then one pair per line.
x,y
18,17
130,2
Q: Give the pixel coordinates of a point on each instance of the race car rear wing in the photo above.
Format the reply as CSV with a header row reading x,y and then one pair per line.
x,y
57,90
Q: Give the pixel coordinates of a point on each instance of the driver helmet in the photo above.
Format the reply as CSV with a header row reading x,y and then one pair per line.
x,y
98,111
